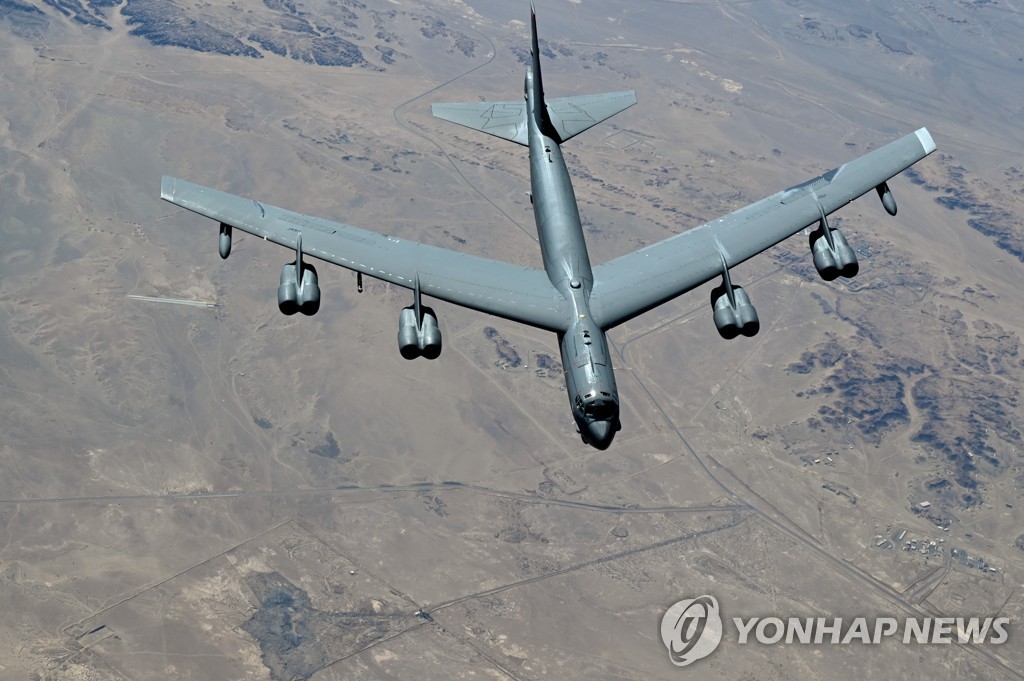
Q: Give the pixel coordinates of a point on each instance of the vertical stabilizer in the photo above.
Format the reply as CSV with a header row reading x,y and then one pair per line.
x,y
535,53
534,82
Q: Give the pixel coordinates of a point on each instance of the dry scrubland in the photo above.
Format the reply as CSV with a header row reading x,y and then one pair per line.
x,y
227,493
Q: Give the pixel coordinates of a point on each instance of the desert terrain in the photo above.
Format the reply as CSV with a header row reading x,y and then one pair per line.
x,y
216,491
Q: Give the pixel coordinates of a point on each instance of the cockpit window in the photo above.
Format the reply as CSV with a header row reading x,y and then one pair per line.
x,y
600,410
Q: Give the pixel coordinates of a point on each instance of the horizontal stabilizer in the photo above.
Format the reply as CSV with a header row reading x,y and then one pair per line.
x,y
569,116
501,119
572,115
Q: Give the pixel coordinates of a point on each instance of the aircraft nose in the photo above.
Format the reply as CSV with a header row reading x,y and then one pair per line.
x,y
600,434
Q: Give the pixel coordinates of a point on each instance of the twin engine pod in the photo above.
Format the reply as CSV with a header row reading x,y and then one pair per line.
x,y
294,295
416,338
833,258
734,315
832,255
299,290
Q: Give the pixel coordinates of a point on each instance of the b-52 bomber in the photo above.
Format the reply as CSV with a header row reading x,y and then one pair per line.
x,y
569,297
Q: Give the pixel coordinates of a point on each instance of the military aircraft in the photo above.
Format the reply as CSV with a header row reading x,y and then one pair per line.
x,y
569,297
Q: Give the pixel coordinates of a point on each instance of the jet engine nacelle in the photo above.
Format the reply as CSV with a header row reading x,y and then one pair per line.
x,y
835,259
224,245
733,320
295,296
418,339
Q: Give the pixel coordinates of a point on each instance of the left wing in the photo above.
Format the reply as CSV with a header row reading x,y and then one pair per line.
x,y
518,293
632,284
506,120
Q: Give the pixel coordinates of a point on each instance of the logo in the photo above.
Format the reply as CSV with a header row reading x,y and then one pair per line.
x,y
691,629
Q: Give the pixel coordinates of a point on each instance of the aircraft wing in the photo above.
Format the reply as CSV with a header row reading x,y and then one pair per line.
x,y
518,293
632,284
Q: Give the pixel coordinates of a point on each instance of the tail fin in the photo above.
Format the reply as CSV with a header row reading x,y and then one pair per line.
x,y
533,79
561,119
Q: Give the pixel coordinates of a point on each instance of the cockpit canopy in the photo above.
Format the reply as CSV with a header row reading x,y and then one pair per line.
x,y
598,406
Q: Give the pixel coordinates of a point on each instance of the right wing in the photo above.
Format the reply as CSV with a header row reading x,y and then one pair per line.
x,y
518,293
572,115
632,284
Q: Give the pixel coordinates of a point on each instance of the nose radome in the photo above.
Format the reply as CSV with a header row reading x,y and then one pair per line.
x,y
600,434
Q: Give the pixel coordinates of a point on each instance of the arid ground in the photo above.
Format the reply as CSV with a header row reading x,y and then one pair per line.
x,y
216,491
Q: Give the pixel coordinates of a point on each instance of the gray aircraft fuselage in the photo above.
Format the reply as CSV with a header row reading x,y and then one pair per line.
x,y
589,379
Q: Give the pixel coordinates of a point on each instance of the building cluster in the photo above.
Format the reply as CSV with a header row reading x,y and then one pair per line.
x,y
899,537
926,547
976,562
891,539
